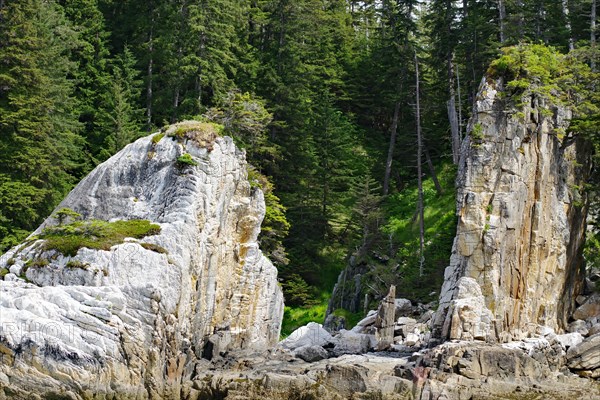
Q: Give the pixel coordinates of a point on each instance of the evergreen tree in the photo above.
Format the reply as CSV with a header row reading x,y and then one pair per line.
x,y
38,123
120,120
92,77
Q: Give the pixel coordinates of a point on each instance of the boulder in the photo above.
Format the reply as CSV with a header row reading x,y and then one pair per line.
x,y
589,309
569,339
578,326
405,325
404,308
594,329
369,319
349,342
585,355
412,339
366,325
426,316
312,334
311,353
334,323
137,315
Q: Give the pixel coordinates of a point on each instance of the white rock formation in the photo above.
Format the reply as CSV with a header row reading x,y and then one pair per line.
x,y
311,334
131,322
521,220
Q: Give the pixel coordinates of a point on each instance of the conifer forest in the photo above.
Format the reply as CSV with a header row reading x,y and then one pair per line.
x,y
351,113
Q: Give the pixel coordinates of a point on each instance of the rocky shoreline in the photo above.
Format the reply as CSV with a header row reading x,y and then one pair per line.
x,y
191,309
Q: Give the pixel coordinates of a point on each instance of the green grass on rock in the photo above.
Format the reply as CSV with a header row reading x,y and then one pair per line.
x,y
95,234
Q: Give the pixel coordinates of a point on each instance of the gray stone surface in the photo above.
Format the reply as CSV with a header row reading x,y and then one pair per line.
x,y
349,342
589,309
578,326
334,323
133,320
384,323
452,371
468,317
569,339
311,353
585,355
312,334
404,308
405,325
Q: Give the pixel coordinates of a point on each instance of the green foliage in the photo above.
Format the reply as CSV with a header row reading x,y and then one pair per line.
x,y
94,234
38,263
120,120
294,318
76,264
155,248
477,135
157,138
4,272
245,118
275,226
64,214
186,159
298,292
543,71
440,228
591,251
40,148
528,66
201,132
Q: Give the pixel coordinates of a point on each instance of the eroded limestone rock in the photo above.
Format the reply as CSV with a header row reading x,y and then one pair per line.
x,y
130,320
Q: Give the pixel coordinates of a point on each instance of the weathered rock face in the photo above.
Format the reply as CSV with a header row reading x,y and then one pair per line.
x,y
131,322
521,221
528,370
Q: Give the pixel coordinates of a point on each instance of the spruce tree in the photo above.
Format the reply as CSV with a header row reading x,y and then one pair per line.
x,y
38,123
92,77
120,120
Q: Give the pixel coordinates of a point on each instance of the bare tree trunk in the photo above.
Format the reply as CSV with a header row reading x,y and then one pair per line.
x,y
150,70
540,21
392,145
436,182
452,117
565,8
460,120
451,104
419,170
593,35
520,19
502,16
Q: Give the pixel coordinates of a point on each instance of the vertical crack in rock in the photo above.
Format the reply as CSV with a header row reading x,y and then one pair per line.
x,y
516,261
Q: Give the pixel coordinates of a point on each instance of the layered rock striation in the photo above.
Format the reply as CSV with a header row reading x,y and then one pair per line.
x,y
132,321
516,263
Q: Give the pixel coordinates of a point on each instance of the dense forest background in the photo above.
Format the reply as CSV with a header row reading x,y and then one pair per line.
x,y
321,93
